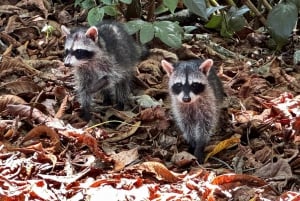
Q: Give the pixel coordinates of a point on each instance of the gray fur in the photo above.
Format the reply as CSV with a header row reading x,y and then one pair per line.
x,y
198,119
110,69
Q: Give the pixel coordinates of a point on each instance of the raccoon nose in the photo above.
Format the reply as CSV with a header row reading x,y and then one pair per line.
x,y
186,99
67,64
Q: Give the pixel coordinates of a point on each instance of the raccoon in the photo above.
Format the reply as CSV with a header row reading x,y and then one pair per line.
x,y
104,57
196,95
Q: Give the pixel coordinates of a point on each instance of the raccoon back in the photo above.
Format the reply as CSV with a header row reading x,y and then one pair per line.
x,y
119,43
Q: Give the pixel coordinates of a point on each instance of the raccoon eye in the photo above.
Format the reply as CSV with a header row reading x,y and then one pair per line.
x,y
197,88
83,54
177,88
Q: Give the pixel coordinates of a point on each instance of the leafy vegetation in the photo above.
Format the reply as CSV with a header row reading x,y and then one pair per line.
x,y
228,19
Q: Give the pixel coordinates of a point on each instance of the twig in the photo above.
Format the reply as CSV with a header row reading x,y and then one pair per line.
x,y
252,7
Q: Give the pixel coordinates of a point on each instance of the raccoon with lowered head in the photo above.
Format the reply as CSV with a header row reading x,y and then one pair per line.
x,y
104,57
196,94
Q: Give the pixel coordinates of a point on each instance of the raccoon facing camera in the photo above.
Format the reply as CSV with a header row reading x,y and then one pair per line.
x,y
103,58
196,96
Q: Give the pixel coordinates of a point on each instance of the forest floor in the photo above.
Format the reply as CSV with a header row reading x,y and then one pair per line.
x,y
48,153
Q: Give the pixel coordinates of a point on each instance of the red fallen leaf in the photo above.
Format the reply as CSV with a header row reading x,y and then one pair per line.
x,y
290,196
231,181
153,192
92,143
139,182
104,181
296,126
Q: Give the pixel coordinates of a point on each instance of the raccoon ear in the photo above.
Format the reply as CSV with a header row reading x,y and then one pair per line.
x,y
92,33
64,30
167,67
206,66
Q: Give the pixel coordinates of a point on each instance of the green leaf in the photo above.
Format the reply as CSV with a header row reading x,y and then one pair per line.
x,y
107,2
211,10
95,15
160,9
168,32
146,33
189,29
215,22
297,3
281,21
134,26
77,3
110,10
126,1
226,31
197,6
88,4
171,4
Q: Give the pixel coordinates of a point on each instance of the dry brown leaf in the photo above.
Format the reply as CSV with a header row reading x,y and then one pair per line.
x,y
280,171
280,168
10,99
91,142
28,112
62,108
38,131
10,63
35,3
18,87
161,171
125,134
223,145
183,159
124,158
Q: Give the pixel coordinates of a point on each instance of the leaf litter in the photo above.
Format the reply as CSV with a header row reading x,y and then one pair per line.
x,y
48,153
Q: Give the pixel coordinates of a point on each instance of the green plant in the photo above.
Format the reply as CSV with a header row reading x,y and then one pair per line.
x,y
228,22
281,21
168,32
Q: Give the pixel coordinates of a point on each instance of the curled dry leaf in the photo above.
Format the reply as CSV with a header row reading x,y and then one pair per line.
x,y
125,134
161,171
232,182
62,108
10,63
223,145
38,131
10,99
91,142
41,5
124,158
28,112
18,87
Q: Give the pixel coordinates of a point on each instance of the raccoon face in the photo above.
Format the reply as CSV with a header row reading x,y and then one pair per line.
x,y
188,80
187,90
80,47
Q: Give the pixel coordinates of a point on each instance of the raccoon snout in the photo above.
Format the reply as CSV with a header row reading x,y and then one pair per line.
x,y
67,64
186,99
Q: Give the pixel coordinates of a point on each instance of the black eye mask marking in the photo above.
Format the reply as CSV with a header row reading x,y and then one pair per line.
x,y
83,54
177,88
197,88
80,54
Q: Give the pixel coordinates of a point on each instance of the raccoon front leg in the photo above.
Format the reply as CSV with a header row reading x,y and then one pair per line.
x,y
85,99
122,91
99,85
